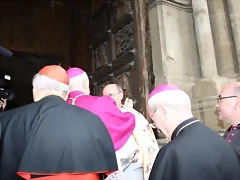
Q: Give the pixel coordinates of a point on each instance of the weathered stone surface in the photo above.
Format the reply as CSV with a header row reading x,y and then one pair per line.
x,y
197,54
174,47
222,39
234,15
205,88
204,38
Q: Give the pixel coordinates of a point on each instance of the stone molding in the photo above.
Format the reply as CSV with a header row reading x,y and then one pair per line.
x,y
184,5
204,104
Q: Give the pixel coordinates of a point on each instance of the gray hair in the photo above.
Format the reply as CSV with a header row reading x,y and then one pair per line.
x,y
45,83
174,98
77,82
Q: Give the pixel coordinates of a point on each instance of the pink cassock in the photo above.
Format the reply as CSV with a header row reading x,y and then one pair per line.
x,y
120,125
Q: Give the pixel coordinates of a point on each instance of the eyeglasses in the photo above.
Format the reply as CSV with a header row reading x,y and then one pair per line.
x,y
225,97
151,122
114,94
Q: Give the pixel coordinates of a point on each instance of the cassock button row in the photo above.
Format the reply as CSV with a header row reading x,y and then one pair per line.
x,y
229,140
232,134
234,128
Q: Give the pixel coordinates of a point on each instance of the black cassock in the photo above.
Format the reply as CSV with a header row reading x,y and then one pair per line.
x,y
51,136
232,135
195,153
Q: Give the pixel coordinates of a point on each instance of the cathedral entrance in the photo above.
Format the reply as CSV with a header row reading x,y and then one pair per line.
x,y
109,39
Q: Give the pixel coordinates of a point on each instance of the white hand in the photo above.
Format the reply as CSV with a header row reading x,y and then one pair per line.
x,y
3,103
128,104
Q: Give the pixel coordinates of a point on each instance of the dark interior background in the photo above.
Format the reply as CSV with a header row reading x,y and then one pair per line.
x,y
21,68
41,33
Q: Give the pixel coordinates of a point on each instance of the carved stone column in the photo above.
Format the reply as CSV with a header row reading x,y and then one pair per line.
x,y
204,38
173,43
223,45
234,14
205,91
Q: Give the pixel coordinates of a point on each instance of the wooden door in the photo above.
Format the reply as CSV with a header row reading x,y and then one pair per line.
x,y
117,49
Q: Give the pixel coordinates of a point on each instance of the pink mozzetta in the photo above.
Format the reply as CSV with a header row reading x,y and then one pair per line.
x,y
120,125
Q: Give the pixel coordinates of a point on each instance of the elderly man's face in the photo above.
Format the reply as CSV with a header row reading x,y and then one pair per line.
x,y
117,96
157,117
226,105
115,93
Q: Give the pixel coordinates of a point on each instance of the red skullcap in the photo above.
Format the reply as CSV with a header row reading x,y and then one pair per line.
x,y
55,72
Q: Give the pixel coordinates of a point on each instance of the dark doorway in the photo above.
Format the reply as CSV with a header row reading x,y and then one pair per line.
x,y
109,39
21,68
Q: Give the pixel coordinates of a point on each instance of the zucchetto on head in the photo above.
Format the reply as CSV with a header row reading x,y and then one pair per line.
x,y
162,88
74,72
167,93
55,72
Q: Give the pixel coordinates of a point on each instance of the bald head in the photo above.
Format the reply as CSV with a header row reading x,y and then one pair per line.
x,y
228,104
233,88
115,91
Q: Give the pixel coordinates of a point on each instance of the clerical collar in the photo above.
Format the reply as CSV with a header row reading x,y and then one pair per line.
x,y
184,124
75,93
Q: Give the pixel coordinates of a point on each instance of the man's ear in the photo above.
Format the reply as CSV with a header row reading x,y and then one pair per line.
x,y
237,105
122,96
163,109
150,111
86,87
85,84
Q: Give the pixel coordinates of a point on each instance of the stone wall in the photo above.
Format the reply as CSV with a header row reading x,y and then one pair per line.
x,y
196,45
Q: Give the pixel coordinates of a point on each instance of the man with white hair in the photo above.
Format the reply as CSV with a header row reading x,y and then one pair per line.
x,y
194,152
50,139
120,125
